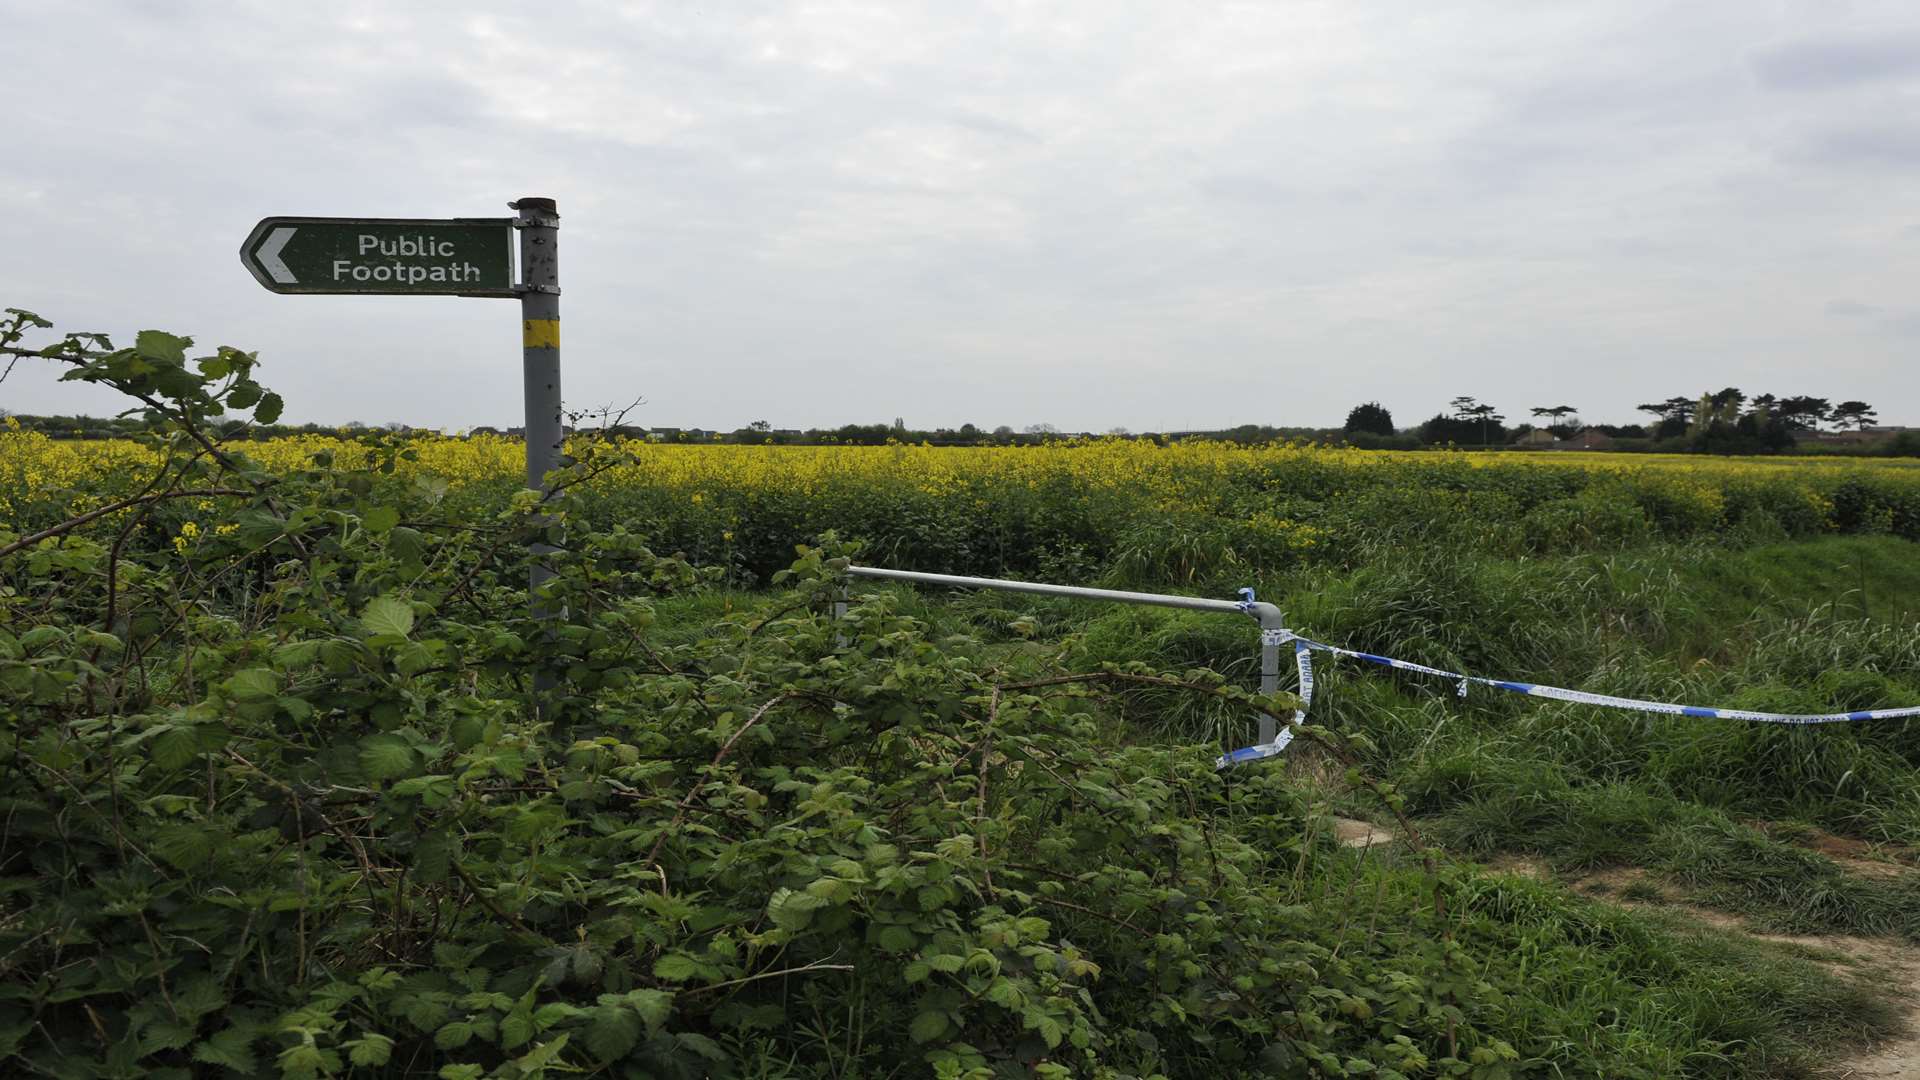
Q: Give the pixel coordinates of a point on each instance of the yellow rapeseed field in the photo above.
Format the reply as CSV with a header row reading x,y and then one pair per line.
x,y
1006,507
32,462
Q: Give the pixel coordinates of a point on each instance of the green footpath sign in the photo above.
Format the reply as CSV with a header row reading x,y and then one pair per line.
x,y
409,256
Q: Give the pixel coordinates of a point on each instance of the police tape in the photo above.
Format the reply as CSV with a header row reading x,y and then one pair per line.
x,y
1303,649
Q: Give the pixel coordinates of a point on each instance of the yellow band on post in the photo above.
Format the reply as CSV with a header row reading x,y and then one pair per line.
x,y
540,333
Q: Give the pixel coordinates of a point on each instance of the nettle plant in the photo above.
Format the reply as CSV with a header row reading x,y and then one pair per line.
x,y
276,802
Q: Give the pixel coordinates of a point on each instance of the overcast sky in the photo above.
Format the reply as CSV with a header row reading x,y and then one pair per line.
x,y
1090,214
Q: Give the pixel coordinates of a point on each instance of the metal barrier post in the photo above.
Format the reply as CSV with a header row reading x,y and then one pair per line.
x,y
1269,668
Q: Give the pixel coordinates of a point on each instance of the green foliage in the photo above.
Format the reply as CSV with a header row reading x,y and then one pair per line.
x,y
277,803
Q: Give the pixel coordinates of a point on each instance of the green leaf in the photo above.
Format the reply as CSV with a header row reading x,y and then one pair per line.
x,y
413,658
370,1050
185,845
654,1006
701,1045
793,910
408,545
928,1026
1004,994
380,519
306,1060
269,408
678,967
424,1010
387,757
516,1029
432,856
253,684
230,1049
388,615
164,1035
1044,1024
156,345
541,1056
613,1032
175,747
897,939
467,731
453,1035
436,788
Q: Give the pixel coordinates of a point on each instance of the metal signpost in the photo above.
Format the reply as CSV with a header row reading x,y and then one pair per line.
x,y
442,257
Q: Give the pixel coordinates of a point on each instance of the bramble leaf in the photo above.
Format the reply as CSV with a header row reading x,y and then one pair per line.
x,y
928,1026
613,1031
370,1049
387,757
388,615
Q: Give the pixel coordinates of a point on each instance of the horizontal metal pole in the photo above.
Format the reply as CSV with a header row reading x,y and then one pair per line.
x,y
1266,613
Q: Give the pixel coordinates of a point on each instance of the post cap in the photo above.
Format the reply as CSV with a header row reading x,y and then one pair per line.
x,y
533,202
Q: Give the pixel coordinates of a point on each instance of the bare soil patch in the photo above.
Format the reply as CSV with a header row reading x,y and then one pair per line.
x,y
1893,966
1360,834
1853,854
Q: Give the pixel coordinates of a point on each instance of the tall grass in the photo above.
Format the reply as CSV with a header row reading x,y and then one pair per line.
x,y
1775,627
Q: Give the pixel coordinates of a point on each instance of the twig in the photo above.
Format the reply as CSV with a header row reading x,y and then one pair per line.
x,y
817,965
980,814
686,804
1114,919
73,523
182,414
473,887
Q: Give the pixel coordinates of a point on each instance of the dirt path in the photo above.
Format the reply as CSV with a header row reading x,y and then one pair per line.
x,y
1891,964
1360,834
1894,965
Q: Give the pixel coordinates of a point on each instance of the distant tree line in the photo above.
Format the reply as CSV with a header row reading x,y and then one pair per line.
x,y
63,426
1727,422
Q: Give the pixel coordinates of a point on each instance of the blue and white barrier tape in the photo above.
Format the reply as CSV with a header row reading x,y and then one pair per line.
x,y
1303,649
1303,658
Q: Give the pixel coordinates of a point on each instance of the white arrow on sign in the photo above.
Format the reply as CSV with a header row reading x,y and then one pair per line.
x,y
269,255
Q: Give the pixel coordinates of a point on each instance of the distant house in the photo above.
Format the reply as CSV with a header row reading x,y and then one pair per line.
x,y
1535,439
1588,439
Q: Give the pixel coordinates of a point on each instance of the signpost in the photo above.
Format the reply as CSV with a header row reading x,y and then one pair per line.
x,y
442,257
407,256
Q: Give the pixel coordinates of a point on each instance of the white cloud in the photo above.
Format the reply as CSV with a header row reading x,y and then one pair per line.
x,y
1091,213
